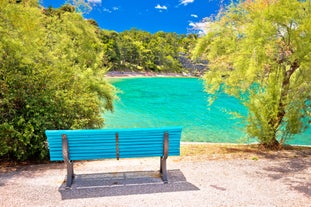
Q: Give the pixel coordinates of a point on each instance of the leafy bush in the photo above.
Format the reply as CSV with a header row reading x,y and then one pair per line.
x,y
51,77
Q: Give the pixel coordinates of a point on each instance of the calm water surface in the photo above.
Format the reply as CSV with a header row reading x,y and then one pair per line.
x,y
158,102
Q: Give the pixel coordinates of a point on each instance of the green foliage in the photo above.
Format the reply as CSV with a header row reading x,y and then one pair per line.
x,y
260,52
50,77
137,50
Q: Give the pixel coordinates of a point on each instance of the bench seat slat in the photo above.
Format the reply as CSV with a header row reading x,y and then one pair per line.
x,y
101,143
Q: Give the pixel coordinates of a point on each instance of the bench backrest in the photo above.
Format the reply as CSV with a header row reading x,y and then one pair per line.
x,y
105,143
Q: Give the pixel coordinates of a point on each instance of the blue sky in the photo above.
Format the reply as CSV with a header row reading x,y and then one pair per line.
x,y
178,16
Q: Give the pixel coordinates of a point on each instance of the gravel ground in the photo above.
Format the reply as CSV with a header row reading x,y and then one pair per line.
x,y
135,182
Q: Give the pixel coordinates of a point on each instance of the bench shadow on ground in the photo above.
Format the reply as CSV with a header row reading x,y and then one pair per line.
x,y
124,183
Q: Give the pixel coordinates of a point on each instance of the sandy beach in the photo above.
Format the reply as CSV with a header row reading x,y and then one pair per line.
x,y
118,74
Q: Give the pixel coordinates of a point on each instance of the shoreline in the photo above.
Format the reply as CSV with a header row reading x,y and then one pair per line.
x,y
118,74
238,144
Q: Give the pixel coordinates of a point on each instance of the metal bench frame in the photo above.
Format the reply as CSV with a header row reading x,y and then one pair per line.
x,y
69,163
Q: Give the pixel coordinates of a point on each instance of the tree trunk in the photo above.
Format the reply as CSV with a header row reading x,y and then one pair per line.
x,y
275,123
273,144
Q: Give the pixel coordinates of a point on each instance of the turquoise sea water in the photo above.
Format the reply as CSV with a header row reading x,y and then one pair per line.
x,y
158,102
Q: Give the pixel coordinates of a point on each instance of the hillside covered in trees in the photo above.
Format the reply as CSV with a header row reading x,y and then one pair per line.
x,y
140,51
136,50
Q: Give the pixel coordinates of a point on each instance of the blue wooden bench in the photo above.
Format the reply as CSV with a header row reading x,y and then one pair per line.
x,y
93,144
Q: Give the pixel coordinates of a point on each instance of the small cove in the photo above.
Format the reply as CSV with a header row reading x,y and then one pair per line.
x,y
158,101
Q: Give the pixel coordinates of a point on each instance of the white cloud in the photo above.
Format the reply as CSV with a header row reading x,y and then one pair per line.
x,y
110,10
201,27
161,7
194,15
186,2
107,10
95,1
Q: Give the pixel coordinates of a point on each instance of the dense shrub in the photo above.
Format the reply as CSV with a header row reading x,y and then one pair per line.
x,y
51,77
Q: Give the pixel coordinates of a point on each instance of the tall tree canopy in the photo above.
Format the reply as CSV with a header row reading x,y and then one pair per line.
x,y
260,52
50,76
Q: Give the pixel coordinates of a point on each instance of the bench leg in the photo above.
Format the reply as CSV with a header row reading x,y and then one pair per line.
x,y
70,174
67,161
163,170
163,159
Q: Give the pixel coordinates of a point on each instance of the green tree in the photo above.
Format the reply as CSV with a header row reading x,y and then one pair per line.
x,y
50,77
260,52
111,49
137,50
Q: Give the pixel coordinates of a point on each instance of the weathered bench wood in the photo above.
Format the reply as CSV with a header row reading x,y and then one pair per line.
x,y
93,144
